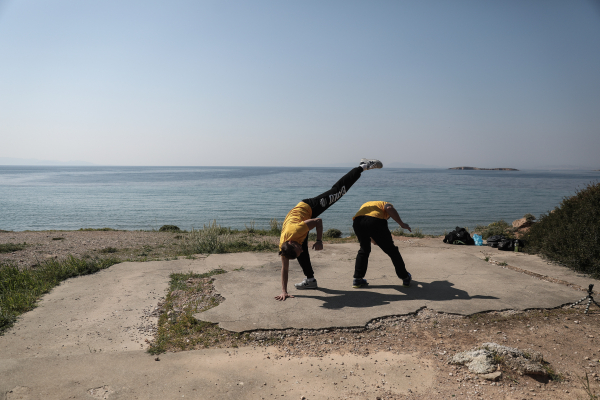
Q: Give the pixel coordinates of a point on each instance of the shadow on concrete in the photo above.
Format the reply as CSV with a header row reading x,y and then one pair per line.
x,y
370,297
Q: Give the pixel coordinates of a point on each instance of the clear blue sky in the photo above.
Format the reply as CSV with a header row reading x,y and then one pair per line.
x,y
292,83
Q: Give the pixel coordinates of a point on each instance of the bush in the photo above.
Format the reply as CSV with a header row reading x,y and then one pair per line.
x,y
169,228
570,234
495,228
333,233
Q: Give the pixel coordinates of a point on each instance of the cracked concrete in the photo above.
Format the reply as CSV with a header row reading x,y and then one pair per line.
x,y
446,278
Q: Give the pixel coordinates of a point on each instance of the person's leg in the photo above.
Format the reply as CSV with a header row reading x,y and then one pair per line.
x,y
325,200
360,226
304,260
383,237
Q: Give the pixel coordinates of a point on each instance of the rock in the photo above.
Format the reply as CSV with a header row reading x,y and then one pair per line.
x,y
522,225
478,361
494,376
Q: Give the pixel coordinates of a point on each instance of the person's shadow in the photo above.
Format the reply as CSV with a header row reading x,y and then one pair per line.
x,y
371,297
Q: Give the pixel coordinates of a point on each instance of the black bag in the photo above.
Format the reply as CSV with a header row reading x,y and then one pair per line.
x,y
459,236
506,245
495,240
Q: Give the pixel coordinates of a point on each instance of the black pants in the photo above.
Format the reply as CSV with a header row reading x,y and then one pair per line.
x,y
321,203
366,228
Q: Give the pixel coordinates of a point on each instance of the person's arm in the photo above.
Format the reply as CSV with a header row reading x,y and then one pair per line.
x,y
389,208
316,223
285,265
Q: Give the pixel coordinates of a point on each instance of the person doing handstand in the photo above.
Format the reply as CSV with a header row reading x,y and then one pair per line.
x,y
293,242
371,226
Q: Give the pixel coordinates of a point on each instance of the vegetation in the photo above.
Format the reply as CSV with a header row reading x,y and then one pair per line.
x,y
214,239
496,228
332,233
177,328
11,247
21,289
169,228
570,234
417,232
275,227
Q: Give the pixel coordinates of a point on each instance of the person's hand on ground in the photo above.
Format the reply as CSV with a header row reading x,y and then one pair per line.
x,y
283,296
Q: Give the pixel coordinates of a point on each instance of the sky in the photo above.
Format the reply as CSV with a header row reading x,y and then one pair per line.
x,y
301,83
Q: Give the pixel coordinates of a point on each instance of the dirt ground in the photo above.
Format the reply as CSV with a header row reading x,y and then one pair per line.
x,y
567,338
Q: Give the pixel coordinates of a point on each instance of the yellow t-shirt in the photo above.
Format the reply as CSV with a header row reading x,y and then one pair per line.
x,y
373,209
294,228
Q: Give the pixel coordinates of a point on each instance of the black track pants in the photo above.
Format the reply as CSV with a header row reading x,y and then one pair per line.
x,y
370,227
321,203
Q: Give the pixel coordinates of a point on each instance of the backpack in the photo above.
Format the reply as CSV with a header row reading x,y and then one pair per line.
x,y
459,236
509,244
495,240
506,245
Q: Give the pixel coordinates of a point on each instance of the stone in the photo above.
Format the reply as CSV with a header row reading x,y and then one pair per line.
x,y
478,361
494,376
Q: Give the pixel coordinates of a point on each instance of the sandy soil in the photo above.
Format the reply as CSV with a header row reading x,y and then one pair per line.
x,y
567,338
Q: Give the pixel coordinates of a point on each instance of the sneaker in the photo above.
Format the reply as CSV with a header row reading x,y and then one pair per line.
x,y
307,284
406,281
370,164
358,283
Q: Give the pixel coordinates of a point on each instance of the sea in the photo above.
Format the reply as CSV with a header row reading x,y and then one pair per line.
x,y
146,198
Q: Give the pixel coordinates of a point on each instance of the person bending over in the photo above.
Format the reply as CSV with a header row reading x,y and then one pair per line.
x,y
371,226
293,242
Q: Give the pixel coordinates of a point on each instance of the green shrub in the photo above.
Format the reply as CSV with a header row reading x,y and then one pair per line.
x,y
495,228
169,228
570,234
332,233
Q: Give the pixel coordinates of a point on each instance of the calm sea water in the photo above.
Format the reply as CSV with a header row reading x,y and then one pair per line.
x,y
132,198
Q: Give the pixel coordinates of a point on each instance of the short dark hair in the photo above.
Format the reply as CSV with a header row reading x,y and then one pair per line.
x,y
288,251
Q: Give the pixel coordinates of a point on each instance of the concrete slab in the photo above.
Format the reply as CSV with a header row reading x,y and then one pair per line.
x,y
446,278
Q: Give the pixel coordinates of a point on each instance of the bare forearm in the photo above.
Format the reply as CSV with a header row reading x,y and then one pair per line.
x,y
395,216
319,229
285,265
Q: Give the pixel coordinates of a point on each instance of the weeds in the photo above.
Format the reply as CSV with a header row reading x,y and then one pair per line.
x,y
21,289
587,388
275,226
11,247
417,232
109,250
178,329
213,239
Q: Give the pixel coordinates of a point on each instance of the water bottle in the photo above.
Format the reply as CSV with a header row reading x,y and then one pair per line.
x,y
516,243
478,240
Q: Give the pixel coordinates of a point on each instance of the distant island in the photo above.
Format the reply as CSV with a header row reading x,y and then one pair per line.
x,y
485,169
